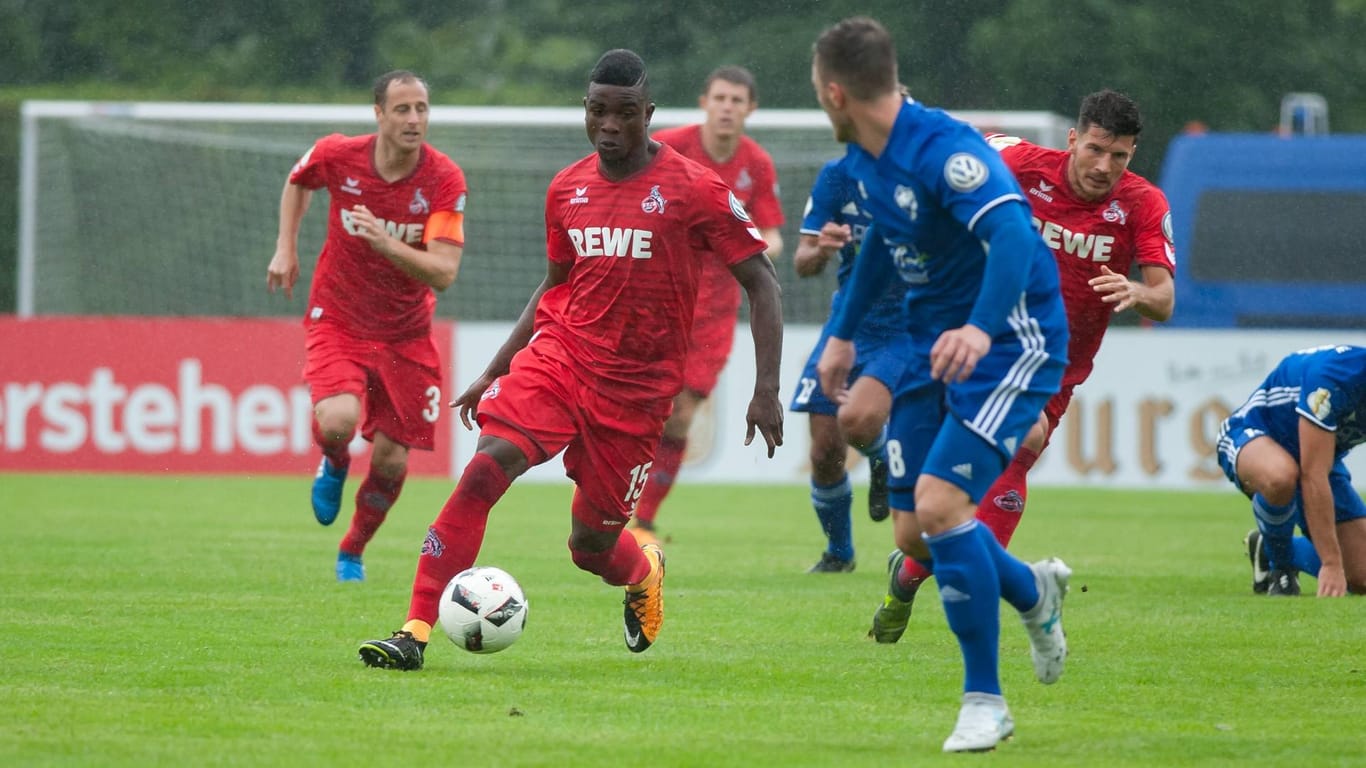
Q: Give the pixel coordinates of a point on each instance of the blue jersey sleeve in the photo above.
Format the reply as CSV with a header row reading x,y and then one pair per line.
x,y
873,271
824,203
1009,239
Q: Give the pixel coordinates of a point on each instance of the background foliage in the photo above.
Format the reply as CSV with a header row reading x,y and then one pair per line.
x,y
1220,63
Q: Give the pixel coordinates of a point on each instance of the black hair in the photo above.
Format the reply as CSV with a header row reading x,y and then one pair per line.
x,y
858,53
1114,112
620,67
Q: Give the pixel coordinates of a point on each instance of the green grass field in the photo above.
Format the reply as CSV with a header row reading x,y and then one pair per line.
x,y
195,622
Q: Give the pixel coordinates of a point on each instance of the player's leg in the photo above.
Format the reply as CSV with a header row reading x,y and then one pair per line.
x,y
528,422
863,420
610,464
916,415
832,494
668,458
334,368
1270,475
401,413
1004,502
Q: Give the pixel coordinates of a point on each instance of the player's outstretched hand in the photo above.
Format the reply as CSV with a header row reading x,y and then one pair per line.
x,y
837,360
468,402
1115,289
765,414
283,272
955,353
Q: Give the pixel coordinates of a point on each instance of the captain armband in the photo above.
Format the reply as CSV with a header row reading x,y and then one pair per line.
x,y
445,225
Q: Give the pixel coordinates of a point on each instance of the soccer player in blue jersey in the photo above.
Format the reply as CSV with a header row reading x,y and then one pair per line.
x,y
989,339
1284,448
833,225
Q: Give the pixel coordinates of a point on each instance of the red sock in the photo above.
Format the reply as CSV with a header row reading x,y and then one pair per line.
x,y
336,451
668,458
623,564
1003,505
453,540
911,576
373,500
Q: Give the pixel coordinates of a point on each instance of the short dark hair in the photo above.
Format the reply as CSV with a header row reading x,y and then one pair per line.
x,y
622,67
395,76
859,53
733,74
1114,112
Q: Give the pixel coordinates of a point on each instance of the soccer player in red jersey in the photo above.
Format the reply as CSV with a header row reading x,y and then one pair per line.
x,y
395,233
1100,219
594,362
729,96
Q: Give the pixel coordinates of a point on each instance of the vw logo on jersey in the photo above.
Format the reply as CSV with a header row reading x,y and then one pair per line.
x,y
738,208
965,172
905,200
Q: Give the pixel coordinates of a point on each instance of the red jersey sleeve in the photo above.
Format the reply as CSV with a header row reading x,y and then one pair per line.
x,y
1153,244
721,224
311,169
765,207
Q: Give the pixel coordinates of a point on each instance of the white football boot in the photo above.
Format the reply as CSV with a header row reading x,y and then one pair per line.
x,y
1043,622
983,722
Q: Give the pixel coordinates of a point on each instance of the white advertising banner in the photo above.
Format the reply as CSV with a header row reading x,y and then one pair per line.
x,y
1147,418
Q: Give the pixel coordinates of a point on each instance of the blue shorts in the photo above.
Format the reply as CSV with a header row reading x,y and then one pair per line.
x,y
1237,432
884,359
964,433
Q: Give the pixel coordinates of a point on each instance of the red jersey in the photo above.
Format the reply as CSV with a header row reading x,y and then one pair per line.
x,y
354,286
1131,225
636,248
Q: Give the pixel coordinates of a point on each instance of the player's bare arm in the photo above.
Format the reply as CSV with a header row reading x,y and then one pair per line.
x,y
283,271
815,251
955,353
468,401
437,266
774,238
1153,298
1317,452
760,281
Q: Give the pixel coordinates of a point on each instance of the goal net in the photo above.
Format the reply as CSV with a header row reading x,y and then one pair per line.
x,y
145,208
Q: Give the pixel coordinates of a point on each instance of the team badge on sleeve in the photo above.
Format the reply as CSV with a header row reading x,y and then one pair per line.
x,y
738,208
965,172
1321,403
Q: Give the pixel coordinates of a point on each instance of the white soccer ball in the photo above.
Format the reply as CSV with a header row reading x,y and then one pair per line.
x,y
483,610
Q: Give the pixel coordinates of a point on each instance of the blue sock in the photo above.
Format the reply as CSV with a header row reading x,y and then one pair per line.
x,y
971,592
1277,525
1017,579
878,448
832,505
1306,557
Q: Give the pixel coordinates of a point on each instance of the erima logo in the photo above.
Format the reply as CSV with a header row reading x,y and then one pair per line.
x,y
653,202
1045,186
405,231
612,241
1041,191
1060,239
580,196
950,595
964,471
352,186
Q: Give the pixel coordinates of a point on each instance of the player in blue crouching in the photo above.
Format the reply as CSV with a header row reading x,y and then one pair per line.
x,y
833,226
988,335
1284,448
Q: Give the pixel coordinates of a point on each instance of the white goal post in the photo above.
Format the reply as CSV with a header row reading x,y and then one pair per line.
x,y
168,208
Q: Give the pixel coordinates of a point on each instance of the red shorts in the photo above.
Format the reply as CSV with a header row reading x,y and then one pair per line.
x,y
544,405
399,382
713,331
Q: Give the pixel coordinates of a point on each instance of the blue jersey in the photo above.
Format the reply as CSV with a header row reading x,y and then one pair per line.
x,y
1326,385
933,184
832,199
